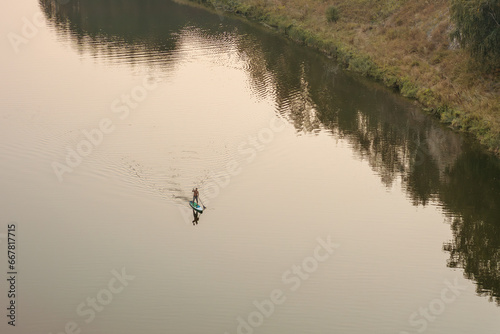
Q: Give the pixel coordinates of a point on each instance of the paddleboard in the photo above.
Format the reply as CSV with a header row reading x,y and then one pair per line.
x,y
196,207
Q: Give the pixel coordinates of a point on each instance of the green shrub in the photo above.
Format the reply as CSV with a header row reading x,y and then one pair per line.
x,y
408,88
363,65
332,14
448,115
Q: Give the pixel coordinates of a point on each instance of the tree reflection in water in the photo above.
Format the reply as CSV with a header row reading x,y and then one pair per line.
x,y
398,140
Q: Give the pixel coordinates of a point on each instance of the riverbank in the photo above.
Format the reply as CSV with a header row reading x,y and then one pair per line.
x,y
403,44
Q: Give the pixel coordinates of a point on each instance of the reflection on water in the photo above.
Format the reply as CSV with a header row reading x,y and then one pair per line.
x,y
402,145
471,194
196,217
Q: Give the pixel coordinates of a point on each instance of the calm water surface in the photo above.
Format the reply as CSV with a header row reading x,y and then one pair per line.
x,y
333,205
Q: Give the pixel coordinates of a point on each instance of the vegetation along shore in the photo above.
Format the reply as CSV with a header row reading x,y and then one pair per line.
x,y
445,54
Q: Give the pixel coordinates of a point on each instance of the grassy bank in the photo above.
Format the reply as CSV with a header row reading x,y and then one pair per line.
x,y
405,44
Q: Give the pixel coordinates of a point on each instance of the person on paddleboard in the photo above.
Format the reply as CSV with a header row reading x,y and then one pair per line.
x,y
195,195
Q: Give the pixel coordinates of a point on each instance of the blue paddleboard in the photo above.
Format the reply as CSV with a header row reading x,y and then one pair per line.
x,y
196,206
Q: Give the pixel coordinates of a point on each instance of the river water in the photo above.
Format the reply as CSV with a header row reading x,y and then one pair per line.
x,y
332,204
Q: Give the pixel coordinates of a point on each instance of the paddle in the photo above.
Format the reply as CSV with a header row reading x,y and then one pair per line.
x,y
204,207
